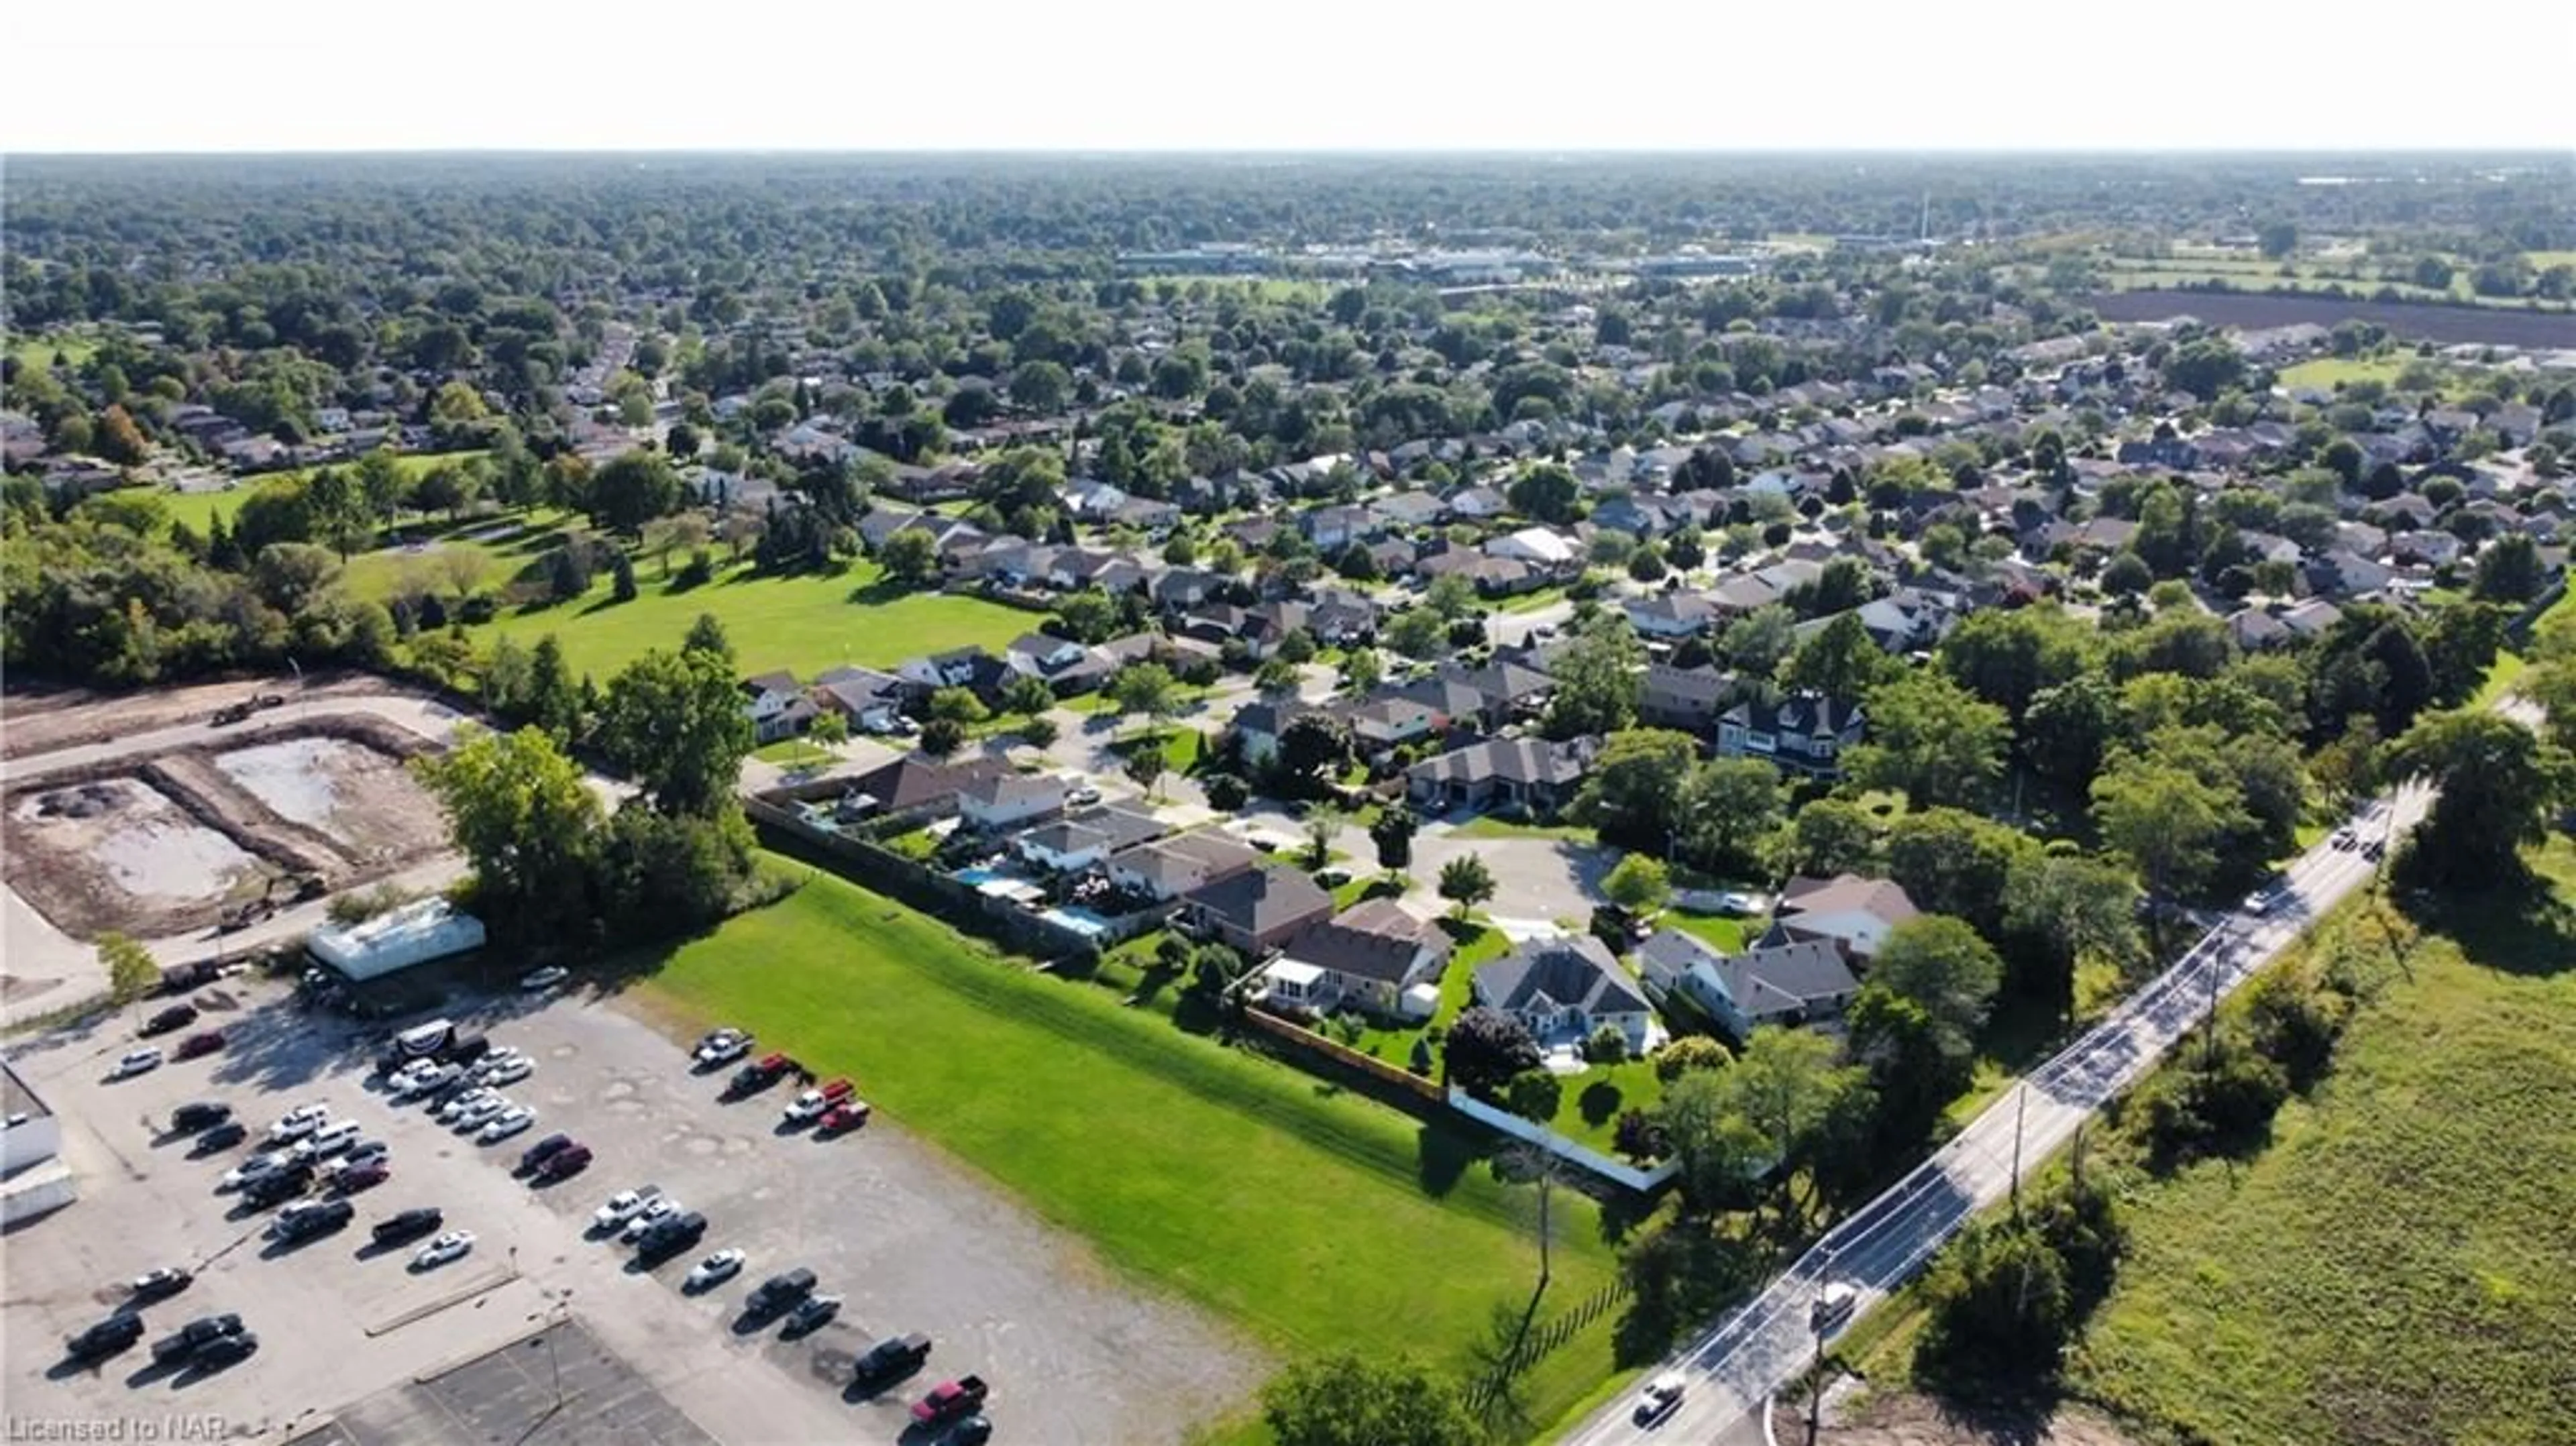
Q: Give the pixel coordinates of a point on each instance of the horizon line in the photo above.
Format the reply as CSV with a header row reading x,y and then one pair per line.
x,y
2124,150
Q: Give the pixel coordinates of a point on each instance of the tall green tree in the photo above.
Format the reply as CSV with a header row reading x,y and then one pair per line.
x,y
2166,820
2500,783
131,972
910,556
1353,1400
1840,660
1728,806
1933,740
1634,793
632,489
676,722
1599,679
1946,968
523,816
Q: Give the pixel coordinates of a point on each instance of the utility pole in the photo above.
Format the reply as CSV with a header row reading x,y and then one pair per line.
x,y
2021,1103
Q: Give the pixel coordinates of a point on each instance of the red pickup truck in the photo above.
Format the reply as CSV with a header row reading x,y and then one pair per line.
x,y
812,1103
950,1400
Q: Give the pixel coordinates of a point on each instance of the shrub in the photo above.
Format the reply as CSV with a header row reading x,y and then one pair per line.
x,y
1226,792
1690,1052
1533,1094
1606,1046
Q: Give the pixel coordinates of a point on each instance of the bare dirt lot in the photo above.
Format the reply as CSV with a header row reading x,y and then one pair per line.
x,y
157,843
42,720
1905,1419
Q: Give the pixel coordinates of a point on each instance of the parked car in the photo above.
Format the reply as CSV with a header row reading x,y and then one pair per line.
x,y
812,1314
199,1115
306,1219
780,1291
408,1224
224,1351
136,1061
365,1150
437,1076
331,1139
669,1237
474,1116
298,1122
714,1270
538,980
258,1167
849,1114
105,1338
759,1075
892,1357
1662,1396
654,1212
177,1016
507,1123
973,1431
284,1184
536,1154
451,1246
622,1207
223,1136
204,1042
361,1175
194,1337
565,1163
951,1400
721,1048
455,1109
812,1103
168,1280
1082,797
507,1072
1833,1305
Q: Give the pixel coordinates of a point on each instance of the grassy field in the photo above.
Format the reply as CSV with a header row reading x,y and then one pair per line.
x,y
2325,373
2396,1266
37,353
1312,1219
1486,825
200,509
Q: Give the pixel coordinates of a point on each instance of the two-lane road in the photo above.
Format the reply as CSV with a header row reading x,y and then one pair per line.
x,y
1761,1346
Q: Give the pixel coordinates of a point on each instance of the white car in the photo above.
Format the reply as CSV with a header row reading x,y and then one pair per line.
x,y
1083,796
445,1248
482,1112
454,1109
1661,1395
507,1123
621,1207
807,1106
509,1071
330,1139
1833,1305
714,1270
136,1061
299,1122
257,1167
506,1054
546,978
656,1211
723,1047
436,1077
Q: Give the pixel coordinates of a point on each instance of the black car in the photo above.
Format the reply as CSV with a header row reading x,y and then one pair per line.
x,y
192,1337
780,1291
671,1236
322,1219
223,1351
177,1016
973,1431
542,1151
221,1137
812,1314
105,1338
276,1189
199,1115
408,1224
168,1280
894,1356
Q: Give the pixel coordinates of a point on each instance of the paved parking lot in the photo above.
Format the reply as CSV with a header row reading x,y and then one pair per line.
x,y
910,1241
557,1387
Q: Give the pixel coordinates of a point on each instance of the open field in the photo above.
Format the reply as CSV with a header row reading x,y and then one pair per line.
x,y
2395,1266
2329,372
1315,1219
38,352
200,509
2489,325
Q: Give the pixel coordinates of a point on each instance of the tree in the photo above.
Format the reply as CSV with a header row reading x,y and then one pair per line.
x,y
2000,1312
958,705
707,635
131,972
1690,1052
1534,1094
1146,766
1785,1085
2499,783
1418,633
941,737
1841,661
1039,732
1351,1400
2277,239
1393,834
1638,884
523,816
1758,642
443,654
1933,740
462,569
632,489
621,572
1943,966
1027,696
1728,806
1311,749
1466,883
676,722
118,439
2165,820
1546,492
1362,670
1149,689
2009,656
1089,616
910,556
1598,680
1719,1152
1831,836
1485,1048
830,729
1634,791
1605,1045
1451,598
2067,909
2510,570
1040,386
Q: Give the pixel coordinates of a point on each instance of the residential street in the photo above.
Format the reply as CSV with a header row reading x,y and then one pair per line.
x,y
1761,1346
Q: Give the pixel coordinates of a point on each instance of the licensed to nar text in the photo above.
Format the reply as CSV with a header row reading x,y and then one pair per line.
x,y
200,1426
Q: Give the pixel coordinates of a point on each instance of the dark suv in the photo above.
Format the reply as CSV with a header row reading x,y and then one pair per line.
x,y
194,1336
105,1338
671,1236
408,1224
780,1291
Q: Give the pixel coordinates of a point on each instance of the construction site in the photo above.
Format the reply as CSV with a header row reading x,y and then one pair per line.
x,y
214,832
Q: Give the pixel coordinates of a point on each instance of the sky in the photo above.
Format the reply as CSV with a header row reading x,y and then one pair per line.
x,y
297,75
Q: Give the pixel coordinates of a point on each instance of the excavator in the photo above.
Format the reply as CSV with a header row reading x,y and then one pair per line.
x,y
296,888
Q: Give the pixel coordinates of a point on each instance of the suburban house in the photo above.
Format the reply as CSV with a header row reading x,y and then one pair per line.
x,y
1565,989
871,700
1375,957
971,668
778,708
1783,984
1852,912
1684,698
1670,614
1524,773
1168,868
1005,800
1256,910
915,786
1080,841
1538,547
1804,730
1061,663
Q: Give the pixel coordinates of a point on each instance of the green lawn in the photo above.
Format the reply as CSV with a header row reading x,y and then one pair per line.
x,y
1312,1219
1594,1100
200,509
1718,932
1486,825
2396,1266
805,623
36,353
2506,671
2325,373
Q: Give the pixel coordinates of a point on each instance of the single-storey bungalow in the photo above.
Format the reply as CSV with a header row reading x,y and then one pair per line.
x,y
1376,957
1565,989
1784,984
1257,910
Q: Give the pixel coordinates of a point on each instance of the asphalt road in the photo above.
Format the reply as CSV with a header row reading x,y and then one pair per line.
x,y
1764,1344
